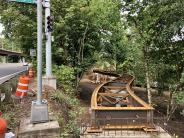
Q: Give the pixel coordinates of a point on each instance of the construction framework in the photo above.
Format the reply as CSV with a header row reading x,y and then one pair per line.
x,y
115,106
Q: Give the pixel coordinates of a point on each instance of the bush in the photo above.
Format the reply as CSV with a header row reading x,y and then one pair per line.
x,y
71,110
65,78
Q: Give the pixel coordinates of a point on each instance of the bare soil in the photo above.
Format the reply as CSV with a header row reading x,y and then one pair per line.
x,y
17,109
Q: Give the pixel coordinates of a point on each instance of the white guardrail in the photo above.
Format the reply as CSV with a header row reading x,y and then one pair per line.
x,y
8,77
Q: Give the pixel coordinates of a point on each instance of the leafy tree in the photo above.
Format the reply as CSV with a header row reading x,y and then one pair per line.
x,y
81,28
155,24
19,22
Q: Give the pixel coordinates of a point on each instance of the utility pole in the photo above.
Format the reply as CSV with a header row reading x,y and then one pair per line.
x,y
39,51
49,79
39,109
48,29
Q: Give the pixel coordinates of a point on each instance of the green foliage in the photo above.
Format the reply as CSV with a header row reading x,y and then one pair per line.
x,y
19,21
9,44
65,78
80,29
72,111
182,78
152,26
60,97
180,97
8,110
9,88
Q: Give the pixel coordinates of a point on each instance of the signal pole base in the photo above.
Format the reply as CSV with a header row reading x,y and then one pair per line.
x,y
49,129
39,112
49,81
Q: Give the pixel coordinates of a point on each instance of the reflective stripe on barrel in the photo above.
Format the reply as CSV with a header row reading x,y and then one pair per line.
x,y
19,90
21,84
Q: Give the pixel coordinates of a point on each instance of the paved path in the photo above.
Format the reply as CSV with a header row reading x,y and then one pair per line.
x,y
9,70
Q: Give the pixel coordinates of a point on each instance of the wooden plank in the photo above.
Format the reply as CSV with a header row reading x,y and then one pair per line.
x,y
150,129
121,108
94,130
109,73
120,127
115,87
94,96
139,100
125,102
106,99
114,94
107,90
108,127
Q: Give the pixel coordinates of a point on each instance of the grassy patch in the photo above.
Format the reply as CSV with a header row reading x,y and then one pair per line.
x,y
68,111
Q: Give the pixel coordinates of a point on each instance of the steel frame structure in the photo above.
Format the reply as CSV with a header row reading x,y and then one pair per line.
x,y
115,100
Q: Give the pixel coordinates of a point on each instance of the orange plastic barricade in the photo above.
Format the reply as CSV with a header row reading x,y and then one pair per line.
x,y
22,87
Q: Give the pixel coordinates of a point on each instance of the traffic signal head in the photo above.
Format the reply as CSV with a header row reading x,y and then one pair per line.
x,y
50,23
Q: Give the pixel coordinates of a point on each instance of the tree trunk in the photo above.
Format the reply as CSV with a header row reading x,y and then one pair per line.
x,y
145,51
148,82
83,39
77,80
147,74
172,106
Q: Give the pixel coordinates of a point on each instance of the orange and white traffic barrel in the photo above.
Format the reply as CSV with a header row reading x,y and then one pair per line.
x,y
22,87
31,73
3,127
